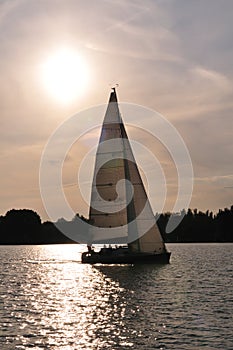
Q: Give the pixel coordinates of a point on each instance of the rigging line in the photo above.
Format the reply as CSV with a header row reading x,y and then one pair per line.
x,y
70,185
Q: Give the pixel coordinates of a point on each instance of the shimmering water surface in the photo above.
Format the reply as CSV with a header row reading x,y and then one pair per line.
x,y
49,300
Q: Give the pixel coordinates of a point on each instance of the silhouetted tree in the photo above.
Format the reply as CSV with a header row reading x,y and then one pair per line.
x,y
23,226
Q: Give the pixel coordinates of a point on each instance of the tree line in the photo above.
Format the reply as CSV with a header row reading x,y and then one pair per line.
x,y
24,226
198,226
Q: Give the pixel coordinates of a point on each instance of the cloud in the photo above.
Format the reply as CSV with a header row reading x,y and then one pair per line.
x,y
220,80
6,7
172,56
136,33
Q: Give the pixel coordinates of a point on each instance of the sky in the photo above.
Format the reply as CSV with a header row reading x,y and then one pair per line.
x,y
172,56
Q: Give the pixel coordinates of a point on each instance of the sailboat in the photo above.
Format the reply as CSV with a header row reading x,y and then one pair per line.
x,y
120,210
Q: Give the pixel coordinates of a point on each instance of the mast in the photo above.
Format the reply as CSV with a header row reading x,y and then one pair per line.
x,y
134,221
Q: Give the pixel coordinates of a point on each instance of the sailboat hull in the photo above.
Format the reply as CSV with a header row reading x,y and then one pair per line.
x,y
125,258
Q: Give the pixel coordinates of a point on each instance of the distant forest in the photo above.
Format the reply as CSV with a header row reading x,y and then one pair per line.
x,y
24,226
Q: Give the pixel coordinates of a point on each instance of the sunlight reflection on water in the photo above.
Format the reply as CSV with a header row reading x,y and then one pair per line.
x,y
49,300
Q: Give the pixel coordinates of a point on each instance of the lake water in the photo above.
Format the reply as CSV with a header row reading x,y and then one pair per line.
x,y
49,300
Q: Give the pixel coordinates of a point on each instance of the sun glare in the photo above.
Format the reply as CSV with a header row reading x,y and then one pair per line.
x,y
65,75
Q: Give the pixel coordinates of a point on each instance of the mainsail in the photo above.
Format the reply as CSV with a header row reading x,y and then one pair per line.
x,y
119,205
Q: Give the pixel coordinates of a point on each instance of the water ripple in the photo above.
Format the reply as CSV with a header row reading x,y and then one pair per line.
x,y
48,300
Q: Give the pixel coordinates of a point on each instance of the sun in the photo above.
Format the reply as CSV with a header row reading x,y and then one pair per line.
x,y
65,75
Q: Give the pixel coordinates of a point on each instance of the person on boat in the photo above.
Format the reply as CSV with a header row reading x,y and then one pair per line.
x,y
89,248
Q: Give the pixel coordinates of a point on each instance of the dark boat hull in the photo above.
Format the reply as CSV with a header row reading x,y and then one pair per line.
x,y
126,258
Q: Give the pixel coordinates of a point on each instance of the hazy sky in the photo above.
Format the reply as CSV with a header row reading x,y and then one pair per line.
x,y
174,56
